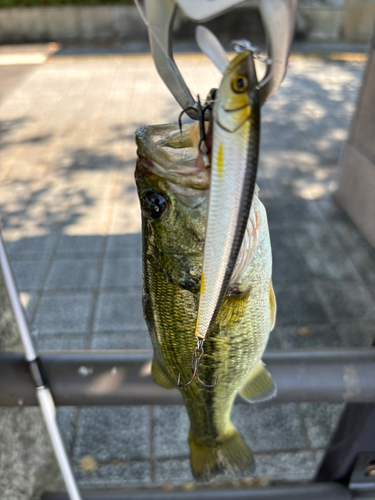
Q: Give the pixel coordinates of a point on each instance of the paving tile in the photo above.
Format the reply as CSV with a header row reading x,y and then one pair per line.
x,y
281,239
289,137
125,340
299,304
273,341
69,274
72,341
119,311
29,273
316,236
345,229
173,471
36,246
125,243
270,427
113,433
66,416
122,272
320,421
29,301
308,337
364,261
356,334
297,466
349,236
80,244
300,212
347,301
60,313
288,267
274,215
330,265
171,428
115,474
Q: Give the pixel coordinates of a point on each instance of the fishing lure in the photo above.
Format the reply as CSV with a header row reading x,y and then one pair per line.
x,y
234,162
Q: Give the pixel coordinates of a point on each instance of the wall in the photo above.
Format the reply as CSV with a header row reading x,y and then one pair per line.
x,y
356,192
317,21
335,20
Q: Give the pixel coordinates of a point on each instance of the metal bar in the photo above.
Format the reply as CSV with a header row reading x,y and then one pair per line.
x,y
355,434
40,380
27,341
89,378
311,491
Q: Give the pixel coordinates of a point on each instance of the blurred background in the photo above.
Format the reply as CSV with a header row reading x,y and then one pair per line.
x,y
76,80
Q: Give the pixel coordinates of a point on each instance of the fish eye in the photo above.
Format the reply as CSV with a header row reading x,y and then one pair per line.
x,y
239,83
154,203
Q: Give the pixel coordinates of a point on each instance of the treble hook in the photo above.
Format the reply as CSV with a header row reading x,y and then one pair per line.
x,y
202,132
195,361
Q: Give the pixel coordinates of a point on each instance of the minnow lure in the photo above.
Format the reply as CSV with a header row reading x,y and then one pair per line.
x,y
235,148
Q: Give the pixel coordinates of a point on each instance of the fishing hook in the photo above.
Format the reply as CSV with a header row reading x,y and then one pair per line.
x,y
195,361
202,132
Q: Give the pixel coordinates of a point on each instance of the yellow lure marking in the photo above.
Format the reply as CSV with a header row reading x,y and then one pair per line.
x,y
201,293
220,161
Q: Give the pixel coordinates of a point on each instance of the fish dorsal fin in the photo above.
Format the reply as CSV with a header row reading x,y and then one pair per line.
x,y
159,376
211,47
259,386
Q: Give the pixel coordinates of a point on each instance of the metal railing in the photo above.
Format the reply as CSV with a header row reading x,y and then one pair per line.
x,y
84,378
92,378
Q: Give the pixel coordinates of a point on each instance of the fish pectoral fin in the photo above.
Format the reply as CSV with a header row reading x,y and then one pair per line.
x,y
159,376
259,386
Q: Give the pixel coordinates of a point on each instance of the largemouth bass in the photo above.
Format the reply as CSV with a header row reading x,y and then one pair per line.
x,y
173,188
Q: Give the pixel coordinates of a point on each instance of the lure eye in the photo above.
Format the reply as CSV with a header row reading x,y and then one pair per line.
x,y
154,204
239,83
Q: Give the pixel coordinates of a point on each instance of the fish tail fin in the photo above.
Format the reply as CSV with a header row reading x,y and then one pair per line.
x,y
227,455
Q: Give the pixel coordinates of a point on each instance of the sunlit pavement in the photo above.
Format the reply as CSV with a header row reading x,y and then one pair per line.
x,y
71,219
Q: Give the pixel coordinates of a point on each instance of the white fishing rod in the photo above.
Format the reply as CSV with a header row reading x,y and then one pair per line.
x,y
43,392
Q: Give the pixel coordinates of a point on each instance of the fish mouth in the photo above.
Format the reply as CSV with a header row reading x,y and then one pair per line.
x,y
170,154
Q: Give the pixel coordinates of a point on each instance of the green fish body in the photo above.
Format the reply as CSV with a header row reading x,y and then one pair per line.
x,y
173,188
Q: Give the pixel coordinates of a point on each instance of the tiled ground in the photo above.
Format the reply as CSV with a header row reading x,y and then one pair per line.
x,y
71,219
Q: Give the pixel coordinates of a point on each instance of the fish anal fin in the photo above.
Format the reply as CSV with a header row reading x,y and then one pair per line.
x,y
259,386
273,307
159,376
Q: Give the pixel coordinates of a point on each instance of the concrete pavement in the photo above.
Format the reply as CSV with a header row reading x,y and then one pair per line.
x,y
72,223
